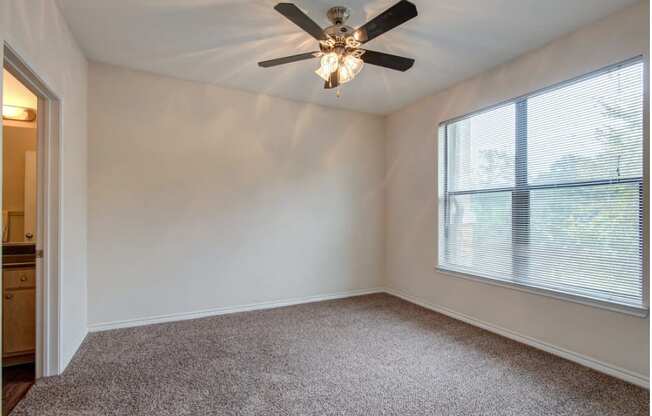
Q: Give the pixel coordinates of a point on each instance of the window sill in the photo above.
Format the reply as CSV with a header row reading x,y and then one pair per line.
x,y
614,307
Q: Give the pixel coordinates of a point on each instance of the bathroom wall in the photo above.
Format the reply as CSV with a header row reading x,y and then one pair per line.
x,y
16,141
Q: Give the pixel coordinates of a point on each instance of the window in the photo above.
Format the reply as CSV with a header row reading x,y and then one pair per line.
x,y
546,191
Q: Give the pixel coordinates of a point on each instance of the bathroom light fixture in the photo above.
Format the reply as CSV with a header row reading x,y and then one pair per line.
x,y
13,112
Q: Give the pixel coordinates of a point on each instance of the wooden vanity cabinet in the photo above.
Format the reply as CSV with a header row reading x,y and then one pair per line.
x,y
18,315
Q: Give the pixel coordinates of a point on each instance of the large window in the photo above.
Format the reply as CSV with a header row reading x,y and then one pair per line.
x,y
546,191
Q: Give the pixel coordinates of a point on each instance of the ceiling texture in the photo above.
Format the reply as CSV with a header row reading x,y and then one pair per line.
x,y
221,41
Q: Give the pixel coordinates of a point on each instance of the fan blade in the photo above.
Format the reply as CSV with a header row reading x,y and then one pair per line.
x,y
299,18
396,15
288,59
334,80
386,60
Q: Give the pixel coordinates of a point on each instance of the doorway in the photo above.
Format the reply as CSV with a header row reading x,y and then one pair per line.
x,y
30,229
19,207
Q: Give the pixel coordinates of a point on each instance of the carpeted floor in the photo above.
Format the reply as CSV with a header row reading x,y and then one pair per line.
x,y
369,355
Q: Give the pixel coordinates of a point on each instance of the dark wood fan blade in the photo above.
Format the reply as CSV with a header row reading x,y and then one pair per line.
x,y
396,15
386,60
299,18
288,59
334,80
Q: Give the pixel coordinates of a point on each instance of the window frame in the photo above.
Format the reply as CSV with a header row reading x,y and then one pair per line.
x,y
521,190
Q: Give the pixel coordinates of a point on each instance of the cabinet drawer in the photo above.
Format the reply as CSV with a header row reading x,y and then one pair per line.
x,y
18,278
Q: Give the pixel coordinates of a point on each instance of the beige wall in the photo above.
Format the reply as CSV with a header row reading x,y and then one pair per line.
x,y
202,197
36,30
15,142
613,339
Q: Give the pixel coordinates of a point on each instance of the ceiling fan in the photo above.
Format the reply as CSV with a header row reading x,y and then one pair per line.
x,y
342,57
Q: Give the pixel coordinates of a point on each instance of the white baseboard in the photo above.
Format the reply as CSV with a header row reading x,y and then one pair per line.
x,y
128,323
64,360
621,373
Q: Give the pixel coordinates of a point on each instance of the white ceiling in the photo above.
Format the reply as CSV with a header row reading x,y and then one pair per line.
x,y
220,42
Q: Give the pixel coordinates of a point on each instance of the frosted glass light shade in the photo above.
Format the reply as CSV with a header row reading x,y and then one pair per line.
x,y
323,74
348,67
330,62
353,64
345,75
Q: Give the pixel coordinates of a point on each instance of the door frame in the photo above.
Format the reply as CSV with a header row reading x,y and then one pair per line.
x,y
48,230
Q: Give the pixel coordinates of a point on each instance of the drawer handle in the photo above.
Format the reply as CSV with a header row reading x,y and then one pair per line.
x,y
23,278
9,296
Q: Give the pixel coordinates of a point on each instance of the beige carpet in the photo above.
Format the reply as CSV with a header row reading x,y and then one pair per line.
x,y
370,355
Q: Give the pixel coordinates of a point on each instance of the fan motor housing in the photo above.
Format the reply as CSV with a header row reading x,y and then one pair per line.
x,y
339,30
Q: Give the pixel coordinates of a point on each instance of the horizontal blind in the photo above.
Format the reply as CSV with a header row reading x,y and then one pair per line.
x,y
546,191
